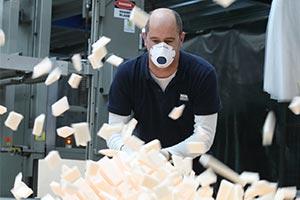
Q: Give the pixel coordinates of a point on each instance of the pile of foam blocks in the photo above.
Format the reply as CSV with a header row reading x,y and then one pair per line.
x,y
143,172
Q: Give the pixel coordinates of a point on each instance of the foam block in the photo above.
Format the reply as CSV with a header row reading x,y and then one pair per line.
x,y
76,60
108,152
114,60
207,178
152,145
206,191
196,147
65,131
133,143
107,130
176,112
20,189
249,177
85,190
110,171
295,105
129,127
224,190
95,62
224,3
260,188
13,120
2,38
268,129
38,125
149,181
96,57
81,133
102,42
92,168
59,107
47,197
71,175
286,193
221,169
269,196
53,159
3,110
53,76
74,80
237,192
139,17
42,68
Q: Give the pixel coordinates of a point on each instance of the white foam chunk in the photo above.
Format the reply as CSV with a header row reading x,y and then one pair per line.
x,y
13,120
207,178
47,197
260,188
237,192
3,110
132,142
95,62
196,147
53,159
114,60
60,106
20,189
74,80
224,3
71,174
269,196
249,177
53,76
129,127
38,125
295,105
153,145
268,129
76,60
176,112
42,68
286,193
92,168
65,131
209,161
224,190
107,130
2,37
108,152
102,42
110,171
139,17
206,191
81,133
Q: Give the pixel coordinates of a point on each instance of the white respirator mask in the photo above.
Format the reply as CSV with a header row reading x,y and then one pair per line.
x,y
162,54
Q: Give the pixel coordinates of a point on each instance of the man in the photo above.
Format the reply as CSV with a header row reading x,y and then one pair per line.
x,y
151,85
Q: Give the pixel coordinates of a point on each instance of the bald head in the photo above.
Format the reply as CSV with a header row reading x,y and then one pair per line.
x,y
163,17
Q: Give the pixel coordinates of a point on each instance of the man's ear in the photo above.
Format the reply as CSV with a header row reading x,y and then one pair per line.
x,y
181,37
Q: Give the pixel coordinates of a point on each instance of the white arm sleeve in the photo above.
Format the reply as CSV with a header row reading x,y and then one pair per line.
x,y
204,131
115,141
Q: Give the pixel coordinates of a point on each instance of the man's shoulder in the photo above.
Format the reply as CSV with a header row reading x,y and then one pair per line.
x,y
130,65
195,63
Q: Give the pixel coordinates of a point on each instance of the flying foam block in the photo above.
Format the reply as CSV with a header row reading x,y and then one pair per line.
x,y
295,105
102,42
224,190
249,177
132,142
76,60
20,189
53,76
286,193
139,17
260,188
207,178
13,120
268,129
108,152
176,112
2,38
60,106
65,131
3,110
114,60
107,130
74,80
224,3
38,125
42,68
81,133
53,159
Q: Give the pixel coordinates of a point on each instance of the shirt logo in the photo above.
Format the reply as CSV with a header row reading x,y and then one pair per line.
x,y
183,97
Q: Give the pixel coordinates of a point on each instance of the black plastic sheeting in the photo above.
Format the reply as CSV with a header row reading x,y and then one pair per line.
x,y
238,56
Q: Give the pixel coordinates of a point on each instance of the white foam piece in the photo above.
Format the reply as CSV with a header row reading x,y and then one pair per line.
x,y
152,145
268,129
53,76
47,197
224,3
20,189
74,80
95,62
295,105
269,196
139,17
102,42
53,159
114,60
92,168
56,189
60,106
249,177
76,60
42,68
205,191
107,130
224,190
2,38
286,193
3,110
71,175
196,147
81,133
38,125
65,131
260,188
132,142
108,152
129,127
13,120
209,161
176,112
237,192
207,178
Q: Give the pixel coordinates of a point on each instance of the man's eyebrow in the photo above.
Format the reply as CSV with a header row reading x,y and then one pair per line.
x,y
168,38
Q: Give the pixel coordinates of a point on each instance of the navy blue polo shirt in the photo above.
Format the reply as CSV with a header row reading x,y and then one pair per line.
x,y
134,90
